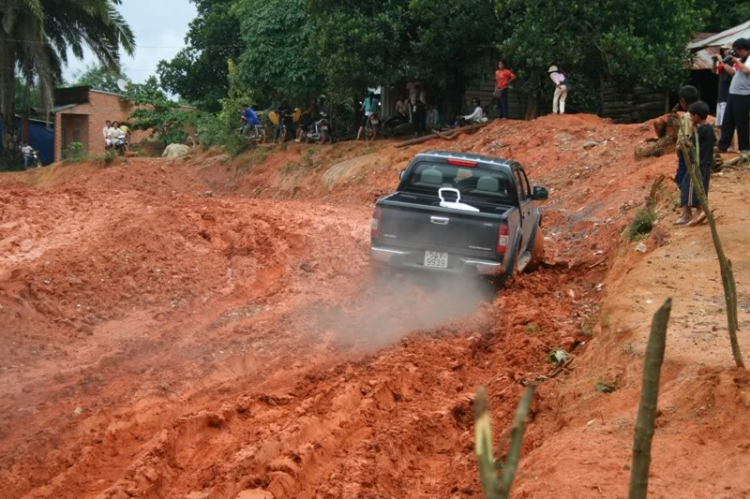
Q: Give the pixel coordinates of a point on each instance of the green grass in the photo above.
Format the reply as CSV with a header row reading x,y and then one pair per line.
x,y
532,328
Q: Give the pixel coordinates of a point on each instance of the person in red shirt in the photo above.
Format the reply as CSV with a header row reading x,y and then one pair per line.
x,y
503,79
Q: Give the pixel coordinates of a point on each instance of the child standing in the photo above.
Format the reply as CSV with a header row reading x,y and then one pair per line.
x,y
702,154
688,96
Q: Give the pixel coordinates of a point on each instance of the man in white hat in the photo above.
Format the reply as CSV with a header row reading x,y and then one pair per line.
x,y
561,90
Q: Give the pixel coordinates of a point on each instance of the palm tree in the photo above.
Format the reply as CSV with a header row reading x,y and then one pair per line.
x,y
35,36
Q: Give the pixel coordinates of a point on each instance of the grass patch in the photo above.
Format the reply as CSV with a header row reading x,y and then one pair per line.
x,y
532,328
643,222
605,387
587,331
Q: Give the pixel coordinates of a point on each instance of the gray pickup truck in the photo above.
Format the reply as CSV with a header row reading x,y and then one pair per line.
x,y
460,213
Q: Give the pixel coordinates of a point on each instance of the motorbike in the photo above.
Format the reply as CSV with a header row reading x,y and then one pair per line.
x,y
34,159
121,145
256,133
372,126
318,131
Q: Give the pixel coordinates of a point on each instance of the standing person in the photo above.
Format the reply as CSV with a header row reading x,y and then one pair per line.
x,y
738,104
701,155
688,95
26,151
503,79
725,73
419,109
561,89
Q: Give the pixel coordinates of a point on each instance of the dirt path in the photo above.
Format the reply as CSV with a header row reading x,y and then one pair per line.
x,y
210,328
701,443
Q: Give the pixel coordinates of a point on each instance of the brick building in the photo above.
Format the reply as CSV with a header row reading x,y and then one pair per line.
x,y
80,115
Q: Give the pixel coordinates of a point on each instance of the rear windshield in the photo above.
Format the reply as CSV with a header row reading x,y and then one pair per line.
x,y
475,184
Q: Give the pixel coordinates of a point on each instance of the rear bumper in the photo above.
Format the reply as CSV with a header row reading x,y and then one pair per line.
x,y
408,260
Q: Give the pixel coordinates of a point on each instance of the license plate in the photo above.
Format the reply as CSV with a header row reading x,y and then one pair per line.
x,y
436,259
324,128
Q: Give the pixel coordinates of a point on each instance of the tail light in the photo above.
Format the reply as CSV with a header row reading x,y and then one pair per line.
x,y
502,239
377,217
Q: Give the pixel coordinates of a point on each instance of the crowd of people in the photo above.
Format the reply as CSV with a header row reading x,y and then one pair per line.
x,y
696,138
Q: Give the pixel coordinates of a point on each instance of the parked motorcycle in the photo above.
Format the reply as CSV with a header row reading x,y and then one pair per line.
x,y
256,133
318,132
36,161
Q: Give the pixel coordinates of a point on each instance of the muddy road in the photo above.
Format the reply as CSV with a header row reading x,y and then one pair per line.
x,y
211,328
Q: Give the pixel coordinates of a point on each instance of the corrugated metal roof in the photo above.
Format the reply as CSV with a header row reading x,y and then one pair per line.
x,y
705,46
723,38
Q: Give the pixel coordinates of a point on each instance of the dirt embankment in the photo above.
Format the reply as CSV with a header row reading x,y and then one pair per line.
x,y
210,328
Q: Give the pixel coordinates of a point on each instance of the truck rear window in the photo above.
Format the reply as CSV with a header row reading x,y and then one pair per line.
x,y
475,184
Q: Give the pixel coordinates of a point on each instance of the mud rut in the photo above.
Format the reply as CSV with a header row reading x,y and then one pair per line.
x,y
189,346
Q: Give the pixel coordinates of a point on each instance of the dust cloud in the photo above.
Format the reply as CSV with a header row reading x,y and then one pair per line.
x,y
391,305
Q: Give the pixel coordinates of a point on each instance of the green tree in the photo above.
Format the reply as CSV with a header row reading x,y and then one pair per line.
x,y
444,43
625,41
453,44
276,63
198,73
36,35
156,112
101,78
720,15
359,44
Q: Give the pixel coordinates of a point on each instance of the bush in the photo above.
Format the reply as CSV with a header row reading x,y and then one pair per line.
x,y
643,222
75,154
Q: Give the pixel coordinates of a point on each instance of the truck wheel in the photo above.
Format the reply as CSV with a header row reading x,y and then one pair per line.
x,y
537,251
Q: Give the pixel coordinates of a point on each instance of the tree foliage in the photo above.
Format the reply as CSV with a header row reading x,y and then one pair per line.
x,y
156,112
627,42
198,73
99,77
37,35
276,63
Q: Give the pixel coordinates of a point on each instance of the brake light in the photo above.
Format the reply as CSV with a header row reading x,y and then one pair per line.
x,y
377,217
502,239
462,162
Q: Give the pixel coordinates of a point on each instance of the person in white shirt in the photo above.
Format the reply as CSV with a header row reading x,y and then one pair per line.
x,y
476,116
26,151
107,132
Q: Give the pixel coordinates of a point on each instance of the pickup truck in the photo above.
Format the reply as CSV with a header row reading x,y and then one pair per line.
x,y
460,213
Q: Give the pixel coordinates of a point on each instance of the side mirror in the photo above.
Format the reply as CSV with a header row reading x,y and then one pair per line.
x,y
540,194
401,174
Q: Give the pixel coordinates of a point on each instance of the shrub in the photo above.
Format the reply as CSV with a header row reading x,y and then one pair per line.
x,y
643,222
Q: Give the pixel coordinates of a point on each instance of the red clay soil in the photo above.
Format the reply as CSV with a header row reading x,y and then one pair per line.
x,y
211,328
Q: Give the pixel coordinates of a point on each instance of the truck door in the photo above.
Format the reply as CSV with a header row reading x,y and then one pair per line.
x,y
526,207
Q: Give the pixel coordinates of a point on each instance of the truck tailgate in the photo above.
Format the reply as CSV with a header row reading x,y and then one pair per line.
x,y
434,228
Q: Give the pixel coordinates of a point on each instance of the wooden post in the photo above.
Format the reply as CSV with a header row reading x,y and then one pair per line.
x,y
725,265
644,426
517,429
483,445
493,487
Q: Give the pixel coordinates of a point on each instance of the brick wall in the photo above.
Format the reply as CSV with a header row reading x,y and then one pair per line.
x,y
102,106
109,107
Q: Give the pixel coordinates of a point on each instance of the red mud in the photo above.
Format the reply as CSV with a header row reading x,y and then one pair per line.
x,y
210,328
